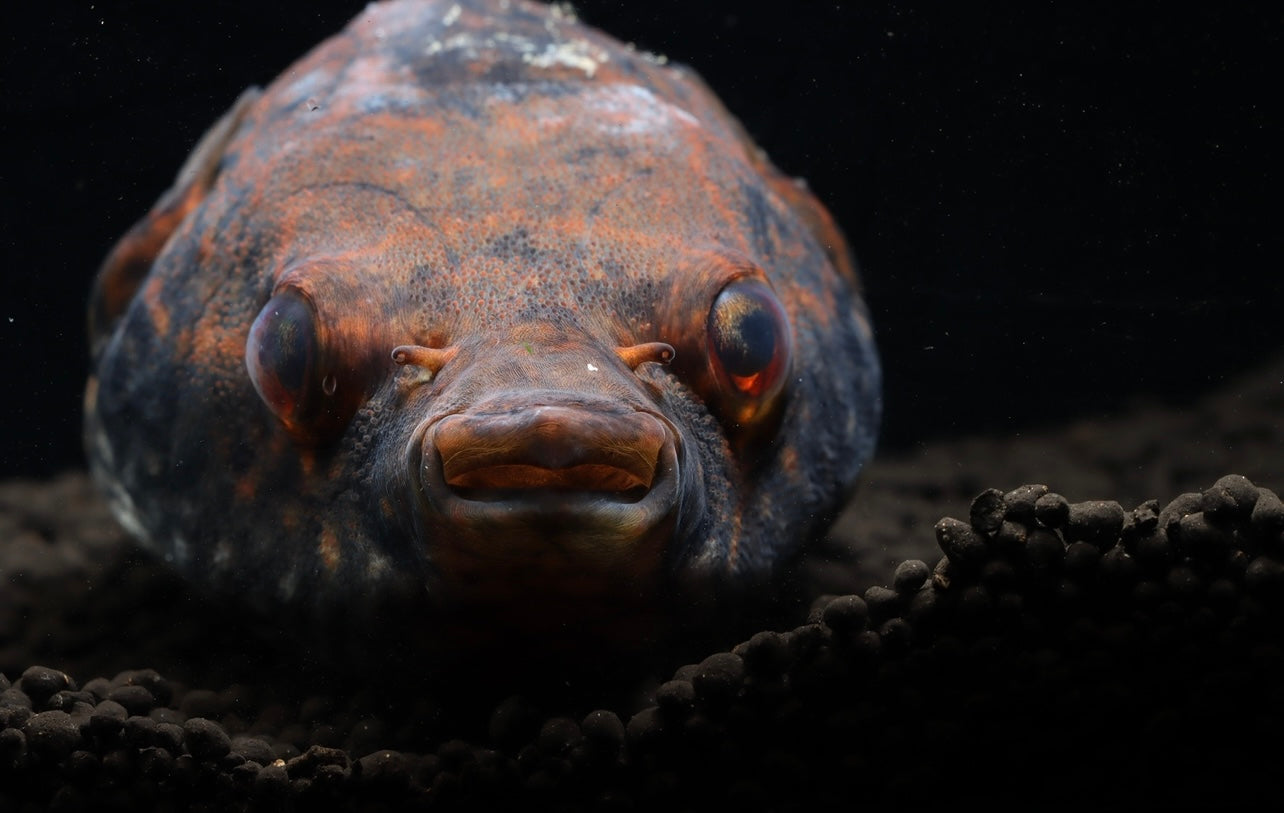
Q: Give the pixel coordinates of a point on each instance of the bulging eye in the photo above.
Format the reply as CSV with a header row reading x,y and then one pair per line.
x,y
749,347
286,361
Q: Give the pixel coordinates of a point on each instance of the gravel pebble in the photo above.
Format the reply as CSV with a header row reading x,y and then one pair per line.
x,y
1052,510
40,682
52,734
206,739
1097,521
960,542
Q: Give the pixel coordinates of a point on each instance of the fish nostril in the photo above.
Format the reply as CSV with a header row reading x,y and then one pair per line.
x,y
639,354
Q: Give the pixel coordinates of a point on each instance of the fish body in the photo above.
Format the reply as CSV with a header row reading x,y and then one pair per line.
x,y
476,306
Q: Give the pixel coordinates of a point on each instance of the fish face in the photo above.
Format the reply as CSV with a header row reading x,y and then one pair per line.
x,y
477,308
549,468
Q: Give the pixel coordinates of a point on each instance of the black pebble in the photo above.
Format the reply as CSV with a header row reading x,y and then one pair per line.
x,y
988,510
718,678
675,698
1185,583
896,634
140,731
603,731
1154,551
136,699
1264,574
559,735
1011,538
643,728
40,682
1082,558
156,764
1044,549
1021,502
13,747
1198,537
1189,503
330,763
1230,498
388,769
150,679
882,603
1119,565
272,784
960,542
206,739
847,615
766,654
253,749
170,737
997,575
1145,518
910,575
99,687
1097,521
1051,510
1267,518
52,734
107,719
82,767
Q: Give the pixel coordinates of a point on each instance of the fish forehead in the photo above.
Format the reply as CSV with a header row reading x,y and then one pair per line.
x,y
491,230
531,184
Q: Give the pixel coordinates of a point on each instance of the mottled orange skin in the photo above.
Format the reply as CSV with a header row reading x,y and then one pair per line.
x,y
537,209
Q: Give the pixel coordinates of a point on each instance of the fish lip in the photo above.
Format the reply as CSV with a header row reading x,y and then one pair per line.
x,y
592,525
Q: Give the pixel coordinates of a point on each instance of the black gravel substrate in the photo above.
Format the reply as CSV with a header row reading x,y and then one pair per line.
x,y
1058,654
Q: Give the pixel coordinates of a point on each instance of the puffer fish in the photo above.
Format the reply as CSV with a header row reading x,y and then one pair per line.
x,y
479,308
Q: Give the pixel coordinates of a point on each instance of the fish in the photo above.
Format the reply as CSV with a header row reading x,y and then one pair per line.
x,y
476,311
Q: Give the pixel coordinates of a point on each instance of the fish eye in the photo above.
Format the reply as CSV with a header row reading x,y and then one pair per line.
x,y
285,360
749,347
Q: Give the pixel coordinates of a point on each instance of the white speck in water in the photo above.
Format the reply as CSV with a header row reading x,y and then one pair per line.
x,y
591,368
451,15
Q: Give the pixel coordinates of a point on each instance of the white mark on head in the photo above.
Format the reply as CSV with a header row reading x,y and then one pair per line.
x,y
578,54
634,110
591,368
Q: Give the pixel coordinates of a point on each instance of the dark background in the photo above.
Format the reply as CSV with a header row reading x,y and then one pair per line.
x,y
1059,207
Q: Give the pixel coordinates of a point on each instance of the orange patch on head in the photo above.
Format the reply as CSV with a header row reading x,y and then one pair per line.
x,y
155,309
789,463
329,550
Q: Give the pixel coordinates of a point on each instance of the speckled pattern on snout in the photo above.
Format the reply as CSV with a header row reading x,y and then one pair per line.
x,y
478,305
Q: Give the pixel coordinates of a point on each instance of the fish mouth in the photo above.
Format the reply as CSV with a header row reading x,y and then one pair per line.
x,y
550,487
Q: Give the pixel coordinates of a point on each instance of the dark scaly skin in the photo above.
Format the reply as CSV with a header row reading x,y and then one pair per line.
x,y
534,214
